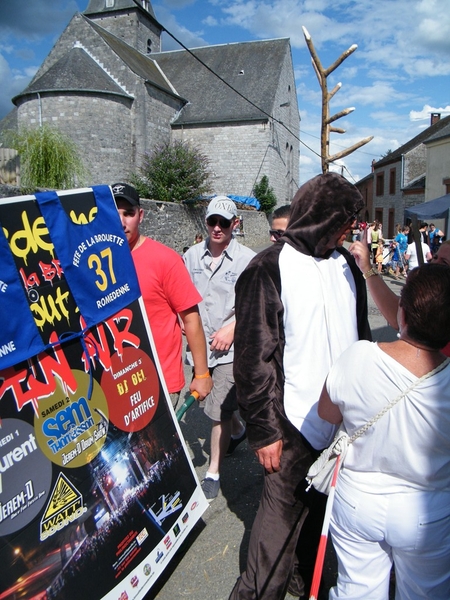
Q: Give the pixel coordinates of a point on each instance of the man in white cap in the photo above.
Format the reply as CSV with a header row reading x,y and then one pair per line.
x,y
214,266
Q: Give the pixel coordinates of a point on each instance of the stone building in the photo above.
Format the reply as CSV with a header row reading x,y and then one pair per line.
x,y
398,180
108,85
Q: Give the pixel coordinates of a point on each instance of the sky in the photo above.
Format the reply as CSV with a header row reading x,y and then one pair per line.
x,y
397,77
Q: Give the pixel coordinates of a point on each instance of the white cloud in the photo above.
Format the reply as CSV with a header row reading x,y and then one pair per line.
x,y
12,84
379,93
210,21
191,39
418,115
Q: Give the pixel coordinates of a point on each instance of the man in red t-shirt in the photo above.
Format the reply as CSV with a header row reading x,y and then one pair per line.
x,y
168,293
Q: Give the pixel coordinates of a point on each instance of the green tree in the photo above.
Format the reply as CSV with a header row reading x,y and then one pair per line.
x,y
48,158
265,194
173,172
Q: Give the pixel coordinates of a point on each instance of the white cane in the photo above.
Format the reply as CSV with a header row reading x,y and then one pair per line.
x,y
320,558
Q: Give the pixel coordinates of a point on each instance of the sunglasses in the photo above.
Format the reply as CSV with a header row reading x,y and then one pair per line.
x,y
276,233
223,223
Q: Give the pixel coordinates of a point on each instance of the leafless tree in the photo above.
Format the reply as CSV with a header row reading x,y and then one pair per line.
x,y
327,128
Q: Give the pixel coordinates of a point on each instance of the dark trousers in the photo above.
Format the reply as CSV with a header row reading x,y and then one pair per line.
x,y
286,531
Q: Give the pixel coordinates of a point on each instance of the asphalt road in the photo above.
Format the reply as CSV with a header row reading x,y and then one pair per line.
x,y
210,560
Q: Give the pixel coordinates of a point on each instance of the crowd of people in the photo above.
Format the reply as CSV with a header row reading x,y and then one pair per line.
x,y
395,256
283,336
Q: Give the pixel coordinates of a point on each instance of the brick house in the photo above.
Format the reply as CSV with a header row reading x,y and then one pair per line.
x,y
399,178
108,85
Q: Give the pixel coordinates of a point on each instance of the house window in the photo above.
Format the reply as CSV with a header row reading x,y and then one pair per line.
x,y
392,181
109,3
149,46
446,182
380,184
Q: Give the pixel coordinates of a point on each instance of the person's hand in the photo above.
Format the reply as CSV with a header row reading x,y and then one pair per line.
x,y
270,456
361,255
202,386
223,338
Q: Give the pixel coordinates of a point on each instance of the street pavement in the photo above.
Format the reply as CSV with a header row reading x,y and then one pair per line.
x,y
208,563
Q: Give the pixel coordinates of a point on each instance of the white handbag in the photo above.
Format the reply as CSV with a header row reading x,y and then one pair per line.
x,y
320,473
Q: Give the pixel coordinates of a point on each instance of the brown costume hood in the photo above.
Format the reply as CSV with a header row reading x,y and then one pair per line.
x,y
320,208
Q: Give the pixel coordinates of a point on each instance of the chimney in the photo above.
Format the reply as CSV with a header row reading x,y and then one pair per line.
x,y
435,117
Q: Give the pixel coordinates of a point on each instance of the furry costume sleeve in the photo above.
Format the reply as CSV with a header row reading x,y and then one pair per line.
x,y
258,348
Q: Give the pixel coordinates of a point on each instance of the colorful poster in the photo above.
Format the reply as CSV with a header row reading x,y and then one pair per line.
x,y
97,490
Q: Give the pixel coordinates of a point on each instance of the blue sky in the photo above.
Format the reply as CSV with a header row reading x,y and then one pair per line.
x,y
397,77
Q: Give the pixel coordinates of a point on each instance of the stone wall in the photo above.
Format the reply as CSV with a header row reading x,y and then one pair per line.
x,y
176,225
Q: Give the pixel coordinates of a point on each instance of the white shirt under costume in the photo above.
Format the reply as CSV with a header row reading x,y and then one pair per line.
x,y
408,449
319,300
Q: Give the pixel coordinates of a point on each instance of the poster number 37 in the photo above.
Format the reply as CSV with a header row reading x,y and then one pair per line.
x,y
97,490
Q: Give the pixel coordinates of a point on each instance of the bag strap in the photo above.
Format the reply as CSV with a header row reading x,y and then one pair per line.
x,y
388,406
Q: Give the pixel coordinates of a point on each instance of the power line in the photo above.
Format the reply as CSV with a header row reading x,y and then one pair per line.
x,y
237,91
294,135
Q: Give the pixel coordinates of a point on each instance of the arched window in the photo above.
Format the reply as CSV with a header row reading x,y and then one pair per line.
x,y
149,46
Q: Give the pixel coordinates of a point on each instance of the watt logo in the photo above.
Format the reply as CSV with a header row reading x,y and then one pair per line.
x,y
65,505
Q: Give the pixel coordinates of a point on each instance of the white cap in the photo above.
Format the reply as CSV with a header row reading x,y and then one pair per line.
x,y
222,206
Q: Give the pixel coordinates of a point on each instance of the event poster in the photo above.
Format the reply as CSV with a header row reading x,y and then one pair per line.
x,y
97,490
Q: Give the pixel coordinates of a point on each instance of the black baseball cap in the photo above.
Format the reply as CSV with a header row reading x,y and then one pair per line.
x,y
127,192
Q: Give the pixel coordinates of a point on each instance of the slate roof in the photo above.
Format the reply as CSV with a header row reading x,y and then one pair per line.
x,y
416,184
443,133
75,71
419,139
252,68
139,63
99,6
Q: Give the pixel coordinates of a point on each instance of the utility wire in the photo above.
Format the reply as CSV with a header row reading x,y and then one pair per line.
x,y
242,95
234,89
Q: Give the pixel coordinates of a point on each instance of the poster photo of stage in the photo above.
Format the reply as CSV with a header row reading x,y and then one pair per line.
x,y
97,490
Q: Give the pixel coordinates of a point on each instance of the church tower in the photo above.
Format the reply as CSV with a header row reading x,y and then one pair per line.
x,y
131,20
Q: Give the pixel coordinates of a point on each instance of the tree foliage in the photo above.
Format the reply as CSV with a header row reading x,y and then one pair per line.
x,y
265,194
48,158
173,172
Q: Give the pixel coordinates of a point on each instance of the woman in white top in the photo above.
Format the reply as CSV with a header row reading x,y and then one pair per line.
x,y
392,500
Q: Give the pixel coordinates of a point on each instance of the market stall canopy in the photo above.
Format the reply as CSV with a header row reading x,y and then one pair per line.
x,y
434,209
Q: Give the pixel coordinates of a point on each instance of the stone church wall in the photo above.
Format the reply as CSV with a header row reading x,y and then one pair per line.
x,y
176,225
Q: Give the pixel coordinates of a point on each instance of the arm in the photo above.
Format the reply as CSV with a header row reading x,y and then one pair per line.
x,y
258,357
195,336
327,410
223,337
383,297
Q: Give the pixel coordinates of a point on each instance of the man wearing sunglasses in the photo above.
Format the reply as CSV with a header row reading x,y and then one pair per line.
x,y
280,220
214,266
